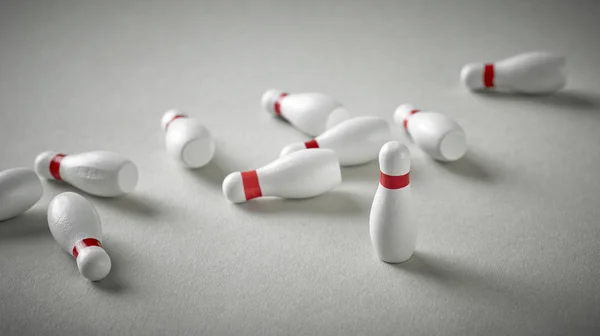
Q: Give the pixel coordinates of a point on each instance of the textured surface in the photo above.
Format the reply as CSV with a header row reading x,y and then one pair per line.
x,y
509,241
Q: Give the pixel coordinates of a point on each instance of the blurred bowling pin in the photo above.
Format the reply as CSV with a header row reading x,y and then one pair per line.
x,y
312,113
355,141
532,73
301,174
98,173
391,224
187,140
436,134
75,225
20,189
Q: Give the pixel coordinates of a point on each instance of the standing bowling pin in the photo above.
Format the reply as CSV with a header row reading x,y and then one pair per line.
x,y
98,173
301,174
355,141
187,140
391,225
75,225
535,72
312,113
20,189
436,134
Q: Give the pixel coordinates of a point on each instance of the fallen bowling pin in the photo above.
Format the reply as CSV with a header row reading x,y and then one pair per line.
x,y
311,113
392,227
20,189
298,175
98,173
535,72
355,141
187,140
436,134
75,225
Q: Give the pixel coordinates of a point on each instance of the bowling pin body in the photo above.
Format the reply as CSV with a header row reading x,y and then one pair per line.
x,y
75,225
302,174
436,134
98,173
311,113
392,228
531,73
187,140
355,141
20,189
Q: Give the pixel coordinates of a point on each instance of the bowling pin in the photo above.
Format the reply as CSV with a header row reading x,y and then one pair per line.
x,y
436,134
301,174
391,225
355,141
20,189
535,72
75,225
187,140
98,173
311,113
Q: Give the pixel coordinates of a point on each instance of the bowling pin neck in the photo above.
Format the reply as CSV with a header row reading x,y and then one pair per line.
x,y
394,182
271,101
83,244
169,117
47,165
402,114
479,76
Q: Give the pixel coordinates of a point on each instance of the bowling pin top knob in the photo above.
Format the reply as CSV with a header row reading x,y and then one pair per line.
x,y
312,113
394,159
75,225
98,173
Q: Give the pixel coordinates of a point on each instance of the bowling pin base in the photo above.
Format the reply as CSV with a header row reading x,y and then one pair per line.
x,y
128,178
452,147
198,152
395,259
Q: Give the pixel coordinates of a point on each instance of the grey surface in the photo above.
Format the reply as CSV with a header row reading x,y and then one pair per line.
x,y
509,240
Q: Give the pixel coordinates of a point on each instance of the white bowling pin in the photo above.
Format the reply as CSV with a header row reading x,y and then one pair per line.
x,y
301,174
98,173
75,225
20,189
187,140
312,113
436,134
391,224
355,141
535,72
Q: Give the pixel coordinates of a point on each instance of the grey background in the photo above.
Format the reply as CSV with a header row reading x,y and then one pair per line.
x,y
509,234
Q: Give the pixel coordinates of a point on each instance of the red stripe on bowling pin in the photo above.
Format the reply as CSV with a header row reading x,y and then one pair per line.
x,y
405,123
55,166
488,75
87,242
251,184
278,103
311,144
394,182
177,116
